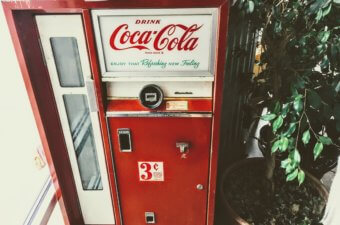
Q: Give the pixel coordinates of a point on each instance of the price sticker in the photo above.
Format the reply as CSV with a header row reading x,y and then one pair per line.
x,y
151,171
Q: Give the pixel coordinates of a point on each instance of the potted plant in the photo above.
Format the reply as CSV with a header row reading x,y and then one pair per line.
x,y
298,85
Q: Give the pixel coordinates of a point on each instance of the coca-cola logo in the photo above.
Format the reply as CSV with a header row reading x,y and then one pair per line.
x,y
170,37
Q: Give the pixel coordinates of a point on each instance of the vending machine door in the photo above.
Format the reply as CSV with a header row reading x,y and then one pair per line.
x,y
162,166
64,48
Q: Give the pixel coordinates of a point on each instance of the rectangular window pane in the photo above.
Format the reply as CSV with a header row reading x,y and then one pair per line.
x,y
79,120
67,60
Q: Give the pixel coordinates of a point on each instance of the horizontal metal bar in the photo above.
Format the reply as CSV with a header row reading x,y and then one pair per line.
x,y
121,76
155,114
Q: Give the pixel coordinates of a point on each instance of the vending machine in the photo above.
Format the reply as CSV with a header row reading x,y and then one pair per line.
x,y
127,97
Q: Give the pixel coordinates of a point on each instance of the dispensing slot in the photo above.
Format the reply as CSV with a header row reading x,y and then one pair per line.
x,y
124,138
150,217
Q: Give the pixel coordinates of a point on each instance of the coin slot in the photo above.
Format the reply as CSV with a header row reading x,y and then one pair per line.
x,y
124,138
150,97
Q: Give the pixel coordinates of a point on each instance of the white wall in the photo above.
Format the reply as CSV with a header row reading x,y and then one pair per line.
x,y
20,180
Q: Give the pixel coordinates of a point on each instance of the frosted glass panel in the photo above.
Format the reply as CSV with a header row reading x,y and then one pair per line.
x,y
79,120
66,57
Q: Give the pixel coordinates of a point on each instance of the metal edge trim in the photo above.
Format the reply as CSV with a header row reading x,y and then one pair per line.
x,y
157,114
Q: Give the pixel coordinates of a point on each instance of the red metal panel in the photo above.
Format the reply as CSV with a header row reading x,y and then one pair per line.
x,y
194,105
81,4
176,199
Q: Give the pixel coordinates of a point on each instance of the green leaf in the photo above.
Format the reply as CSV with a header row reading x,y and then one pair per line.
x,y
297,105
301,176
277,27
324,63
292,175
268,117
306,137
285,109
327,10
337,86
289,168
285,163
302,41
283,144
300,82
291,144
323,36
291,129
296,156
277,123
295,93
318,15
314,99
317,150
325,140
275,146
277,107
317,4
320,49
251,7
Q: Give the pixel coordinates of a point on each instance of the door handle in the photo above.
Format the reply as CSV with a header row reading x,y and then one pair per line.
x,y
183,146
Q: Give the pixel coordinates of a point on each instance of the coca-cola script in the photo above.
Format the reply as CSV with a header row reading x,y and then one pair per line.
x,y
134,43
123,38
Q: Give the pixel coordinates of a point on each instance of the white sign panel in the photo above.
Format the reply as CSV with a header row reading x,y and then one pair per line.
x,y
151,171
172,40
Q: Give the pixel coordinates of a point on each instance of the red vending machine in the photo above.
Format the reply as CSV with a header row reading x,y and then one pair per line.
x,y
127,97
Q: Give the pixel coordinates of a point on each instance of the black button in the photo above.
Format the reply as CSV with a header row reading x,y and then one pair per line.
x,y
151,96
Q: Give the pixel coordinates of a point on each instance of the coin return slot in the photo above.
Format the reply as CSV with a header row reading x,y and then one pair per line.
x,y
151,97
150,217
124,137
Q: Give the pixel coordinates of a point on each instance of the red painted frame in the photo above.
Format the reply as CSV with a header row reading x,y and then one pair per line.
x,y
20,19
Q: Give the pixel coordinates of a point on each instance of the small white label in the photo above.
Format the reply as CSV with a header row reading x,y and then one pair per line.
x,y
177,105
151,171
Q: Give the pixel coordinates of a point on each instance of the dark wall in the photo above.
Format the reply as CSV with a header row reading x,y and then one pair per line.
x,y
239,63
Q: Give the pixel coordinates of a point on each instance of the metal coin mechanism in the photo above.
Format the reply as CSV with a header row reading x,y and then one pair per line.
x,y
151,96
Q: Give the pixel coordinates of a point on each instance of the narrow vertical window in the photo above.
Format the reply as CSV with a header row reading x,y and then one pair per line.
x,y
67,60
79,120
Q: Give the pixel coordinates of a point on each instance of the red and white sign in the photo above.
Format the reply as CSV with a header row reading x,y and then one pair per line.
x,y
151,171
147,42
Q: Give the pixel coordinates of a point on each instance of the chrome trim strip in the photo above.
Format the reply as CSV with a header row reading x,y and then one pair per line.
x,y
91,96
156,114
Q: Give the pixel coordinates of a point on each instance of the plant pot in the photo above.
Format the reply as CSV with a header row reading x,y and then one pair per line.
x,y
234,218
